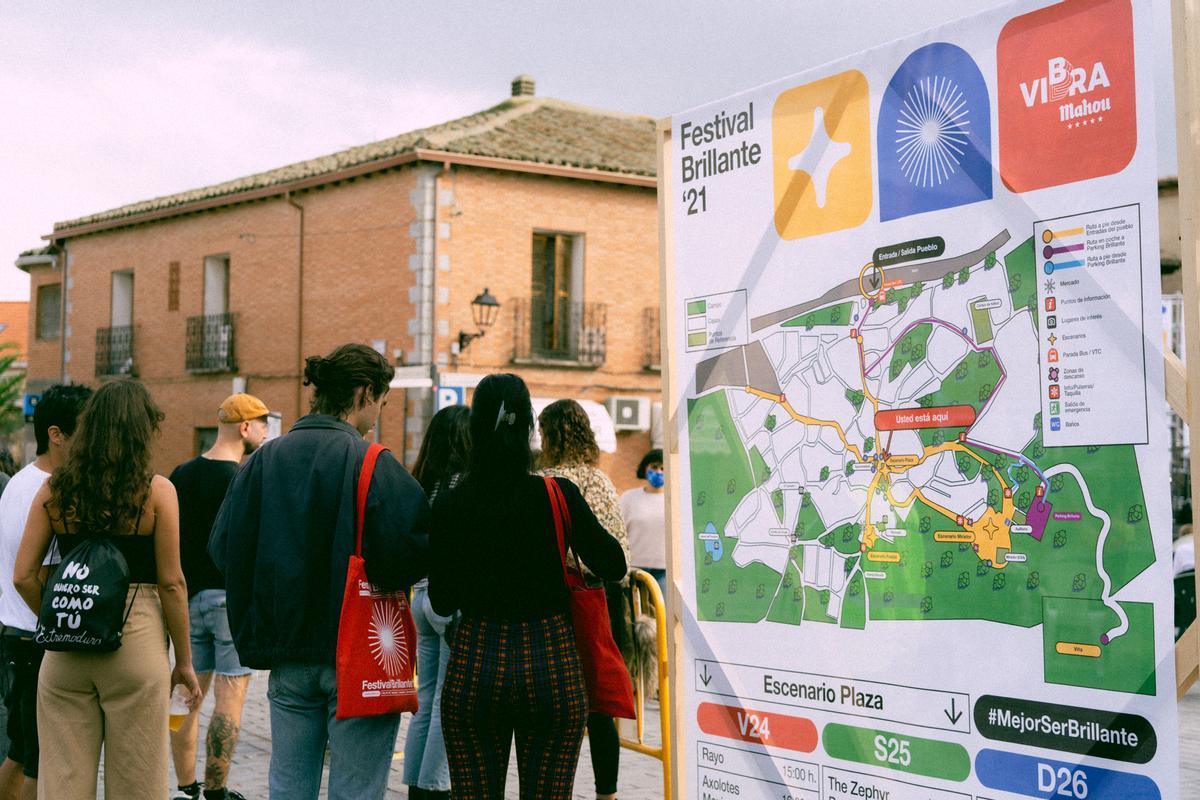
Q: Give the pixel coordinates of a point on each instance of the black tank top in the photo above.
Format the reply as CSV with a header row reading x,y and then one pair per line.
x,y
137,549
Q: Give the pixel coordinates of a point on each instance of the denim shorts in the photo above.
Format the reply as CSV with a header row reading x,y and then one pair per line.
x,y
212,643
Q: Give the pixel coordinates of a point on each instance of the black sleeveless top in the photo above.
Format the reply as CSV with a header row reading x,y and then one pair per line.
x,y
137,549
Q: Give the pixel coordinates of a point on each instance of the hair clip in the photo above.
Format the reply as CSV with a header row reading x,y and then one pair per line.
x,y
508,419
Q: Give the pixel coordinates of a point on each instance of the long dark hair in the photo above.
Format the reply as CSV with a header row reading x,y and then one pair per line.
x,y
337,377
106,479
445,448
567,436
501,422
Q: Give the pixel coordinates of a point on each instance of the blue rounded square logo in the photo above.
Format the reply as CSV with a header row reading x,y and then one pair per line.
x,y
934,138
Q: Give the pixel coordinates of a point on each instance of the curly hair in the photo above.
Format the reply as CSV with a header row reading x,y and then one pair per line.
x,y
567,436
106,480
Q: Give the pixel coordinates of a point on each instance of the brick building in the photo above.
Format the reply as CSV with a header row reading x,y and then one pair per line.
x,y
14,341
548,205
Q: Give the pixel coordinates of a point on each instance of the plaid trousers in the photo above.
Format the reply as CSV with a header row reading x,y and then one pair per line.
x,y
509,678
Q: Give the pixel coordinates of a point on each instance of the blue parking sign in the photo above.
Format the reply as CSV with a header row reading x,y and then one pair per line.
x,y
451,396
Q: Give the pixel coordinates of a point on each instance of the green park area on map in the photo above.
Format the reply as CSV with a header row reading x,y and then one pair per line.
x,y
806,511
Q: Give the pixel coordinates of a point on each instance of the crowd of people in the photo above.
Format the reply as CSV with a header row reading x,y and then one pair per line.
x,y
236,563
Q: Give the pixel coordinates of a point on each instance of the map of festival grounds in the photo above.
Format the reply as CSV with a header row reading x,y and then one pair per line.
x,y
877,453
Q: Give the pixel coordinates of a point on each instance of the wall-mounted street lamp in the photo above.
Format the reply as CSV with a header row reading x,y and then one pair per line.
x,y
484,309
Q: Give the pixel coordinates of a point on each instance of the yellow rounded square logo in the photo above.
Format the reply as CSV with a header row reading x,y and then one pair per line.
x,y
821,135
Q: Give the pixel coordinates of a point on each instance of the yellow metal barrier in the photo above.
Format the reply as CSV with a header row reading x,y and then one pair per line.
x,y
644,587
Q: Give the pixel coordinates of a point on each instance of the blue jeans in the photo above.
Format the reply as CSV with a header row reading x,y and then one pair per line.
x,y
303,701
425,764
212,643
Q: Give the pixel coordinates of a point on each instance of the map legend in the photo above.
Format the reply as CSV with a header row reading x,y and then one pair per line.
x,y
1089,310
716,321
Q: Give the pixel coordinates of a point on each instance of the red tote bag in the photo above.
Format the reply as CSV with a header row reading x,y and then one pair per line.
x,y
610,689
376,647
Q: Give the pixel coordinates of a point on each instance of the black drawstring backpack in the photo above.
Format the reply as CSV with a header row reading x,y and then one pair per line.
x,y
83,605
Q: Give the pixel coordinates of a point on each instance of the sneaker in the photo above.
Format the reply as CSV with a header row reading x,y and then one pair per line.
x,y
229,794
190,792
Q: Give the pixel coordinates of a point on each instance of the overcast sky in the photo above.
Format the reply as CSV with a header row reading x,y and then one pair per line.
x,y
108,103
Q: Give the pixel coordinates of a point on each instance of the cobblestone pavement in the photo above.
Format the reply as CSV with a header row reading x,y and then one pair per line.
x,y
641,776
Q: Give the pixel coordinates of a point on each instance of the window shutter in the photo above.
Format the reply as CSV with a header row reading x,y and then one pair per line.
x,y
173,286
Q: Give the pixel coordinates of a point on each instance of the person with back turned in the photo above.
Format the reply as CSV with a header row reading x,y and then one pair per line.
x,y
201,484
54,421
283,539
514,670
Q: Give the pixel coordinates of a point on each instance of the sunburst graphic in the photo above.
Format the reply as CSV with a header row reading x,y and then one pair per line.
x,y
386,638
931,131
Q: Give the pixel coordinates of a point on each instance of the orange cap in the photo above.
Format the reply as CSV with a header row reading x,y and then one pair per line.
x,y
241,407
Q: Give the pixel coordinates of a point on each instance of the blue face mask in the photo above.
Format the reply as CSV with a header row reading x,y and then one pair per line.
x,y
656,478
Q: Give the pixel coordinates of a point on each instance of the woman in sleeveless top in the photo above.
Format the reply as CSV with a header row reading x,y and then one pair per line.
x,y
118,700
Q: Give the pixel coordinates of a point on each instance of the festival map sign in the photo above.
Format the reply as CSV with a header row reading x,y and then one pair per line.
x,y
925,523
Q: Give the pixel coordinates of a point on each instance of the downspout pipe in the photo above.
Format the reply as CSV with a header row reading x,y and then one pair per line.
x,y
64,322
299,308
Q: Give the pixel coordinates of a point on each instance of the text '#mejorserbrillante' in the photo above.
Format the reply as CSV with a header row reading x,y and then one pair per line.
x,y
716,156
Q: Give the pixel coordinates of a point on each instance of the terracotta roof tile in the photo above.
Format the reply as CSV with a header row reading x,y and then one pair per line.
x,y
537,129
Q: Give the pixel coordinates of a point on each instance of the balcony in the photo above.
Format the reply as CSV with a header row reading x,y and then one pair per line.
x,y
114,351
652,335
210,344
565,335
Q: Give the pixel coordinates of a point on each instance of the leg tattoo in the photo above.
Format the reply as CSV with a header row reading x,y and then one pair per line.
x,y
222,737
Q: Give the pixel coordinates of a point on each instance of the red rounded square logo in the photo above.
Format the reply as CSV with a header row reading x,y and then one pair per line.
x,y
1066,94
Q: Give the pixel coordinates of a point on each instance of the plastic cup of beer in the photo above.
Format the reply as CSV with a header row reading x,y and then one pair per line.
x,y
179,707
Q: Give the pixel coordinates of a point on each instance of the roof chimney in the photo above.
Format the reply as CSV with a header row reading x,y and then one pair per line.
x,y
523,86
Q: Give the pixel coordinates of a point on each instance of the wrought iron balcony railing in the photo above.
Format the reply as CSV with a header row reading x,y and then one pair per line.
x,y
114,351
210,343
562,333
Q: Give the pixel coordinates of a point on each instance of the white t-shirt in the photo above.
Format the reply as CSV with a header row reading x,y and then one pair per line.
x,y
15,503
645,516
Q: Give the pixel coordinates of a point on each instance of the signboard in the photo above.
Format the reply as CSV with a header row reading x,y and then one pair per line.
x,y
29,404
924,532
451,396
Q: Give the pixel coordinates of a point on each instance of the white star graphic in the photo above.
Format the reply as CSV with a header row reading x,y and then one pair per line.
x,y
820,156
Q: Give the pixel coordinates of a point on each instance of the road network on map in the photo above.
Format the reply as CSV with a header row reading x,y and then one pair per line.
x,y
876,454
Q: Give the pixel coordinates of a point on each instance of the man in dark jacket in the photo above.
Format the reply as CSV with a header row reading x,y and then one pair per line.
x,y
283,539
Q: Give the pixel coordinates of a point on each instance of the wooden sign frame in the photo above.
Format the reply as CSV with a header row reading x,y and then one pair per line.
x,y
667,314
1183,384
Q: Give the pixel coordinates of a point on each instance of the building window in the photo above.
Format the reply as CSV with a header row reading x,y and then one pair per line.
x,y
210,336
49,311
216,285
556,291
173,286
121,310
114,344
205,439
